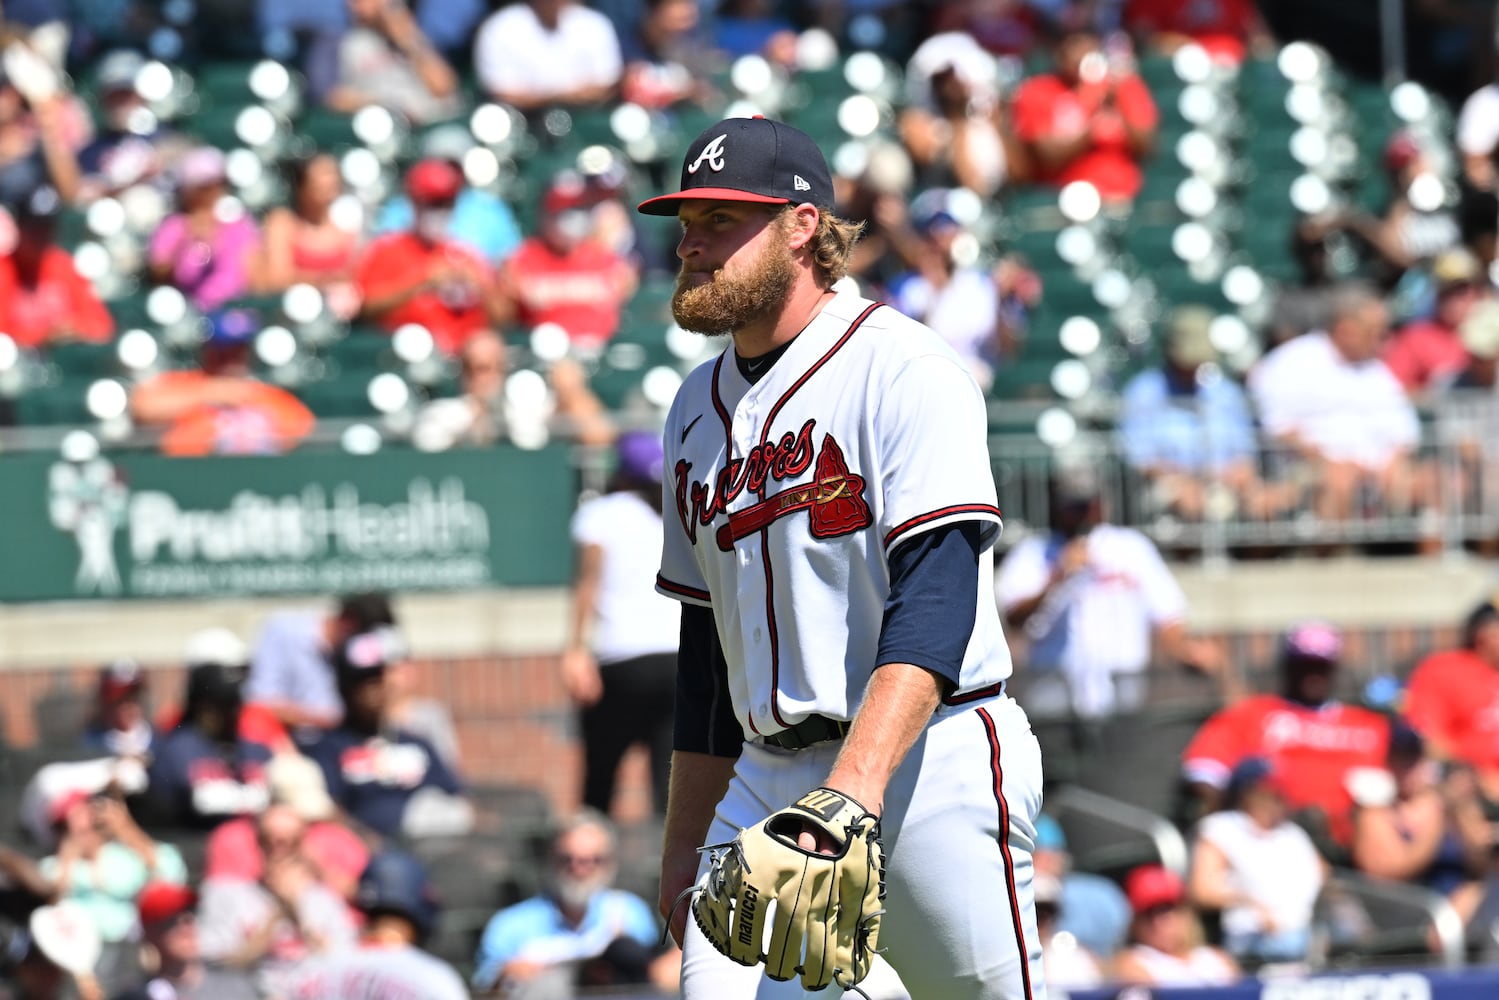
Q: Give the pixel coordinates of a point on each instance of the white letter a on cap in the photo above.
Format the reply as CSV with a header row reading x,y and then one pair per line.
x,y
713,153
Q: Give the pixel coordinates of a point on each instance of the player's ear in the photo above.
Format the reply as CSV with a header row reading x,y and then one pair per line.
x,y
801,225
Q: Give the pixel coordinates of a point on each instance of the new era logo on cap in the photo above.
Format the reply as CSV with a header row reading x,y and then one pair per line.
x,y
754,160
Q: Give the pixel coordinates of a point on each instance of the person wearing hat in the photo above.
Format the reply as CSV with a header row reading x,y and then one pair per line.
x,y
829,520
565,274
172,955
382,776
1186,427
43,298
483,413
1452,697
1310,738
1257,867
119,725
1093,599
206,770
304,241
481,220
421,276
206,248
385,59
269,922
240,848
980,311
1164,936
132,146
220,408
954,124
620,662
401,911
1428,353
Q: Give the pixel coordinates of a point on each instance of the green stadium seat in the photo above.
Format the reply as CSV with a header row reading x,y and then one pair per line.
x,y
78,358
327,130
364,351
55,405
344,396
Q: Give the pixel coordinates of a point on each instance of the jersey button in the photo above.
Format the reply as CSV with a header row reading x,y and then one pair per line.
x,y
756,634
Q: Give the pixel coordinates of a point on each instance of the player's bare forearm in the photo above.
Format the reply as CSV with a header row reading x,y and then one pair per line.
x,y
897,705
698,783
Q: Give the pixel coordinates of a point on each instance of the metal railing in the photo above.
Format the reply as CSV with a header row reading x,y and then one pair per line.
x,y
1453,498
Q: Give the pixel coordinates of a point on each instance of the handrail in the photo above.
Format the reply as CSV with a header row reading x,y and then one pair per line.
x,y
1442,920
1170,847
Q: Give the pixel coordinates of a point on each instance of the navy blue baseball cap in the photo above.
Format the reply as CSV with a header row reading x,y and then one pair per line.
x,y
396,882
750,159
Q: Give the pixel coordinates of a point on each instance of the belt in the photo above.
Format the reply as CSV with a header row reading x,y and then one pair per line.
x,y
811,730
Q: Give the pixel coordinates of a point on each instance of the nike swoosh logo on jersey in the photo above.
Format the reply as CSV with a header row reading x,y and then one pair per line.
x,y
690,425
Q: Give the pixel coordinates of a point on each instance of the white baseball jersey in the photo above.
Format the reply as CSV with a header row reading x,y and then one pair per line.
x,y
784,499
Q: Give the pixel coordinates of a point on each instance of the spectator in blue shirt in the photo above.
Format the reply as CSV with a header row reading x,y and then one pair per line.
x,y
384,777
580,931
1187,428
204,772
291,671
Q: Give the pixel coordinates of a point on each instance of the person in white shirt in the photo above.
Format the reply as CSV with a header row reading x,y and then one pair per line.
x,y
536,53
1090,597
620,664
1259,868
1330,400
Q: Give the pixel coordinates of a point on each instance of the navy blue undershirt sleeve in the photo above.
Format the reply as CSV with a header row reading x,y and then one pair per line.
x,y
933,600
705,719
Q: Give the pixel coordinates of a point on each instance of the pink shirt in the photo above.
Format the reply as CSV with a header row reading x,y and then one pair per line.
x,y
209,272
1422,352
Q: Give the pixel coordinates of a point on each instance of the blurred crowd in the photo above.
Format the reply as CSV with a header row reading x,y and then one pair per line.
x,y
298,798
281,825
1391,312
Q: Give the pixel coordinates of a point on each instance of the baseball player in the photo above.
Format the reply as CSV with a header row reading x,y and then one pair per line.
x,y
830,517
400,911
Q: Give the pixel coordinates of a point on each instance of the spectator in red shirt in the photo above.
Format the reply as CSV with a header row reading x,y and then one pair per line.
x,y
1427,353
420,276
43,298
1307,736
1452,698
564,274
1227,29
1092,120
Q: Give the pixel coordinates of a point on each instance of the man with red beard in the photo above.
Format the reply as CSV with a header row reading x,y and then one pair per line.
x,y
829,524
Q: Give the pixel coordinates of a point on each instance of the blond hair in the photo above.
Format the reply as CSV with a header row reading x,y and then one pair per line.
x,y
831,246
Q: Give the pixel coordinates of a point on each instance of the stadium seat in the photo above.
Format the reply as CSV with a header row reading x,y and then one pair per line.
x,y
54,405
340,396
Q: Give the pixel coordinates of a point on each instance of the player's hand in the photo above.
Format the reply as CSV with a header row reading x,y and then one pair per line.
x,y
522,970
580,674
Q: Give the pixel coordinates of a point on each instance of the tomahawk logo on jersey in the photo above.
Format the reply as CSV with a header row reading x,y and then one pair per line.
x,y
824,463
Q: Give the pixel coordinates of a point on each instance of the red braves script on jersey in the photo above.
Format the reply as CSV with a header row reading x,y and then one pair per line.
x,y
1313,748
